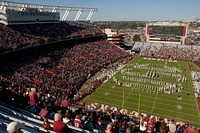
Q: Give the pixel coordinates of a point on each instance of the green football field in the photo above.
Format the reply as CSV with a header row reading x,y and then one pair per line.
x,y
151,80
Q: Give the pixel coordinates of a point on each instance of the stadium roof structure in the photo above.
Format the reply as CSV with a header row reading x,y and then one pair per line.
x,y
8,4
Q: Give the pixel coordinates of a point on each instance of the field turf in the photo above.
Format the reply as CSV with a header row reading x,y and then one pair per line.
x,y
180,106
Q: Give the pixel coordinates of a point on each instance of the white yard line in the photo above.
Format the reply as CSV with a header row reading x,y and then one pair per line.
x,y
154,103
128,96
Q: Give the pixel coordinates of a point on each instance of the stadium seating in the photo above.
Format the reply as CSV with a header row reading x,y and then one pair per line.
x,y
180,52
45,72
61,72
22,36
33,123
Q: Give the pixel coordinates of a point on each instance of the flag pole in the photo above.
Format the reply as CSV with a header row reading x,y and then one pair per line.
x,y
139,103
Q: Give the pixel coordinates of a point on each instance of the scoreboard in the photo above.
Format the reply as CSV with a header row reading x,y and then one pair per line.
x,y
167,30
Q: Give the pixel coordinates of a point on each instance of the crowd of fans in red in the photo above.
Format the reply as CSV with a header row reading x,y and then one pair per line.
x,y
61,72
21,36
55,74
47,82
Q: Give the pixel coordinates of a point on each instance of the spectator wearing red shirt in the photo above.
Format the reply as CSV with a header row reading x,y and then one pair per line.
x,y
32,101
100,121
46,124
32,95
44,112
77,122
59,126
189,129
150,125
65,103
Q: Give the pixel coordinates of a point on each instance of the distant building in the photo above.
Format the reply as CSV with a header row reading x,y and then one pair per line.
x,y
166,32
114,37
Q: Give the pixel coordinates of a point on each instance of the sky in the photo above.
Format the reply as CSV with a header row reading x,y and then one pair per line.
x,y
131,10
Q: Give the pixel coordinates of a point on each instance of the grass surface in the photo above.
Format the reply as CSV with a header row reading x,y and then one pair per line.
x,y
179,106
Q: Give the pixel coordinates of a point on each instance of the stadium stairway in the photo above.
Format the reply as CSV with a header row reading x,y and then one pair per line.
x,y
33,123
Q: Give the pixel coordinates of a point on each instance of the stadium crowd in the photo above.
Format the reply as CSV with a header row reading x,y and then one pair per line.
x,y
59,106
11,39
21,36
180,52
61,72
55,74
48,82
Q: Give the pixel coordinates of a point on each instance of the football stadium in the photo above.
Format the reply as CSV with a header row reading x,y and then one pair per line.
x,y
66,77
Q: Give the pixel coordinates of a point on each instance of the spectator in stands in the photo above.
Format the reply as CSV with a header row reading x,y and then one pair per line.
x,y
189,129
158,125
115,126
67,117
46,124
108,129
65,104
163,126
56,115
172,126
59,126
130,129
180,127
88,124
77,121
150,125
32,95
100,121
15,127
143,125
32,101
44,112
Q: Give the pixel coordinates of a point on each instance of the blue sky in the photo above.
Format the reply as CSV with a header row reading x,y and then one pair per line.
x,y
132,10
